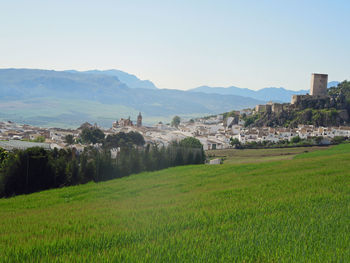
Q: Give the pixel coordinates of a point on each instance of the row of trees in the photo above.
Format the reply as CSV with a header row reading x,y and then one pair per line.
x,y
35,169
295,141
94,135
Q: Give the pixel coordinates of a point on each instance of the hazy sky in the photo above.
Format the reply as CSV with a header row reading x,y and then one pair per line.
x,y
182,44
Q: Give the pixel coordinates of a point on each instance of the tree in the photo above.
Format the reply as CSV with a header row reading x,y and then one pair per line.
x,y
123,139
250,120
338,139
342,88
179,159
112,141
235,142
72,172
136,138
318,139
295,139
69,139
92,135
190,142
28,171
176,121
3,155
194,150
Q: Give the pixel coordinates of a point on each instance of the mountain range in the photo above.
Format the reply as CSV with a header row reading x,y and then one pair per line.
x,y
265,94
130,80
69,98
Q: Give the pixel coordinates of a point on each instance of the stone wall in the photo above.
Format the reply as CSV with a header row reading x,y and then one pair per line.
x,y
277,107
263,108
298,98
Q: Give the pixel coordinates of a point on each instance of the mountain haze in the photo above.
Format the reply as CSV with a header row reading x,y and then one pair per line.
x,y
68,98
131,80
265,94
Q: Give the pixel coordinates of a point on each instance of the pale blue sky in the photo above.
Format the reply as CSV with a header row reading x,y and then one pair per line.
x,y
182,44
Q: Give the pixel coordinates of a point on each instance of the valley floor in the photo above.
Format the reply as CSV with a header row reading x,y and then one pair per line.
x,y
279,211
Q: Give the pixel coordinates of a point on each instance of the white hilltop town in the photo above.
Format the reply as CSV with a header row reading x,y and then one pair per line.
x,y
213,132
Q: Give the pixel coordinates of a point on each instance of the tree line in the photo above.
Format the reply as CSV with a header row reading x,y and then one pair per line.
x,y
294,142
36,169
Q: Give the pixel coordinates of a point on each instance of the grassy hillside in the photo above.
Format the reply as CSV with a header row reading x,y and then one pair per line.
x,y
236,156
292,210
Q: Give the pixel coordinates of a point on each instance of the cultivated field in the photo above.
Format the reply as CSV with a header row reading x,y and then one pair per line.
x,y
280,211
260,155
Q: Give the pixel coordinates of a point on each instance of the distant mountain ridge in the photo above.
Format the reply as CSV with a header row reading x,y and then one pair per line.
x,y
130,80
332,84
34,83
266,94
71,97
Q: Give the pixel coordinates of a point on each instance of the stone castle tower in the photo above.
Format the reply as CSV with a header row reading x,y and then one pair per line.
x,y
319,84
139,120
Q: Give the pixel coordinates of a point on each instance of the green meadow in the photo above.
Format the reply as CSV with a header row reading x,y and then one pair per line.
x,y
236,156
293,210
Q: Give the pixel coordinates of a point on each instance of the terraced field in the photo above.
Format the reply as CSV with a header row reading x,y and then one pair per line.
x,y
294,210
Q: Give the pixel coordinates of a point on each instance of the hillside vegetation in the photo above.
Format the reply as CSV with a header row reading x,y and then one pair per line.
x,y
333,110
285,211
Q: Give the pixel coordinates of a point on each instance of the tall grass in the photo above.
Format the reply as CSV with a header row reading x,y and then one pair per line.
x,y
285,211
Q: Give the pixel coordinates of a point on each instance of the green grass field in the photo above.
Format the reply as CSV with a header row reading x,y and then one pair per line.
x,y
281,211
235,156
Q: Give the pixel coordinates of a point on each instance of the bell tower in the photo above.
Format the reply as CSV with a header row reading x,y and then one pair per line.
x,y
139,120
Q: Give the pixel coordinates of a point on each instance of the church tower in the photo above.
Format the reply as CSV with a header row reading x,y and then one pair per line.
x,y
139,120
